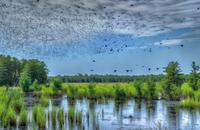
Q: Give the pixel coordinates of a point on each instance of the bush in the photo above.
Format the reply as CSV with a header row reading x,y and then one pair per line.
x,y
197,95
35,86
25,81
186,90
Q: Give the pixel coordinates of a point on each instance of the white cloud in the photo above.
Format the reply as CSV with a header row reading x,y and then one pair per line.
x,y
171,42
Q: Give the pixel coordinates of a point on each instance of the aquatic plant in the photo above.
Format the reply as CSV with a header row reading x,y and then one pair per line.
x,y
23,118
79,118
44,101
61,117
10,118
71,114
189,104
186,90
18,105
53,116
38,113
40,120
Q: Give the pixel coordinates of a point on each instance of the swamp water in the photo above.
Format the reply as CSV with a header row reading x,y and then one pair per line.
x,y
120,115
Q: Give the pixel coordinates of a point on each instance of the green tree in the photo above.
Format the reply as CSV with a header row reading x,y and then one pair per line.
x,y
194,76
25,81
57,83
172,79
10,69
37,70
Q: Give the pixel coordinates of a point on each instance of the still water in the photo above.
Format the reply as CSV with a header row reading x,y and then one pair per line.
x,y
123,115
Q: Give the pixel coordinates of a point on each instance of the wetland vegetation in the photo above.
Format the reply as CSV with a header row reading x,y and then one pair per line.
x,y
52,103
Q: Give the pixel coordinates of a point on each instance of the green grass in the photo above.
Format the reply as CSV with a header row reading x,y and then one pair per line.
x,y
10,118
71,115
44,101
53,116
23,118
38,113
189,104
79,118
61,117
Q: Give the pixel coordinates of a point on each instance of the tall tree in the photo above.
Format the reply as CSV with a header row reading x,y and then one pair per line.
x,y
37,70
9,70
172,78
194,76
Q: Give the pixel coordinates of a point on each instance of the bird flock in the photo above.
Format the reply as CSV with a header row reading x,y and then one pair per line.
x,y
59,28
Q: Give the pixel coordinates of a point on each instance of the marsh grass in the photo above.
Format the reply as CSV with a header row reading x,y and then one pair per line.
x,y
61,117
79,118
44,101
53,116
71,115
38,113
189,104
10,118
23,118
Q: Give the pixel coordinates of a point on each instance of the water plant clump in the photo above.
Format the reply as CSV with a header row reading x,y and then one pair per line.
x,y
79,118
53,116
39,116
23,118
44,101
71,115
10,118
61,117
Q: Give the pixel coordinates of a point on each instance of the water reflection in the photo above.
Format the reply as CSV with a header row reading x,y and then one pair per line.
x,y
121,115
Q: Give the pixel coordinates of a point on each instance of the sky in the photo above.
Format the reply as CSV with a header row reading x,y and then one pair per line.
x,y
124,37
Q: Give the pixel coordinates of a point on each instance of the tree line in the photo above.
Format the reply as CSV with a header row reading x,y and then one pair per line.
x,y
80,78
14,71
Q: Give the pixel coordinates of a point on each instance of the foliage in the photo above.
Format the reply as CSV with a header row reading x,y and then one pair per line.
x,y
172,79
23,118
10,118
37,70
186,90
189,104
10,69
38,113
71,115
194,76
61,117
44,101
25,81
53,116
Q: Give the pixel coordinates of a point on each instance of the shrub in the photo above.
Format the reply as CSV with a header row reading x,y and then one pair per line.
x,y
145,90
186,90
197,95
35,86
120,93
25,81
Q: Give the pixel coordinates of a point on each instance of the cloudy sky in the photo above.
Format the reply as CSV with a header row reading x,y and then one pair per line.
x,y
102,36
